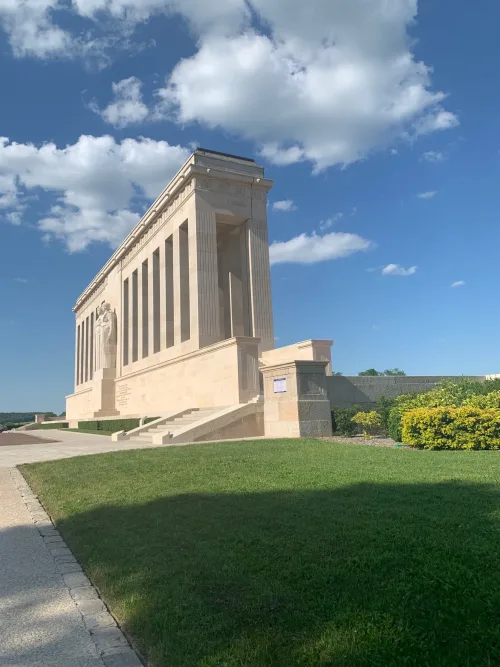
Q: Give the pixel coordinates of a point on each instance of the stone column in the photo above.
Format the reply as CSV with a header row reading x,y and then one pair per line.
x,y
77,356
151,324
204,287
296,402
163,297
259,275
177,287
82,351
130,318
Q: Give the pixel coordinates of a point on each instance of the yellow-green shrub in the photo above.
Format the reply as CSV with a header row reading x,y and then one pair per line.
x,y
484,402
452,428
370,421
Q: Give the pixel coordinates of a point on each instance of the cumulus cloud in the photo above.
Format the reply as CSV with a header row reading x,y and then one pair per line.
x,y
427,195
127,107
398,270
324,82
458,283
433,156
39,27
98,185
329,82
284,205
313,248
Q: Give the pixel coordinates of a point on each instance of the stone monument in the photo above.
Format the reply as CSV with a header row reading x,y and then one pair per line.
x,y
180,317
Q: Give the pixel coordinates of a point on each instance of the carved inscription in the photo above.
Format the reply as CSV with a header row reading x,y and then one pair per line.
x,y
123,394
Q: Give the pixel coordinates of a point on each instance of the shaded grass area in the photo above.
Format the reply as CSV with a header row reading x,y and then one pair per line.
x,y
284,553
89,430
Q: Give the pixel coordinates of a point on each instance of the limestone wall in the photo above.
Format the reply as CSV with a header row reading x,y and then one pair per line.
x,y
346,391
80,404
219,375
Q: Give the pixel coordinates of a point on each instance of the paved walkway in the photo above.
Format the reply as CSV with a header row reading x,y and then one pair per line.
x,y
40,625
71,444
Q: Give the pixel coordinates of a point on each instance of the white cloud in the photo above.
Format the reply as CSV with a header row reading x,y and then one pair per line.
x,y
34,27
31,28
325,82
21,280
97,184
427,195
310,249
127,107
284,205
398,270
329,82
433,156
439,120
329,222
458,283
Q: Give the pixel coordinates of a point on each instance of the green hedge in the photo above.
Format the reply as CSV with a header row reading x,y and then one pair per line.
x,y
448,393
452,428
52,425
150,419
112,425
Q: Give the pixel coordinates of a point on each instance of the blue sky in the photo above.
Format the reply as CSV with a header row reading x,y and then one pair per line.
x,y
377,119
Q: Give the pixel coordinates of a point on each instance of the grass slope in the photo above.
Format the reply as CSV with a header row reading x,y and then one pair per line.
x,y
289,553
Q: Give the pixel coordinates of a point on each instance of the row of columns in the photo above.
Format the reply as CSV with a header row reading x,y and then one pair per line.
x,y
185,290
85,362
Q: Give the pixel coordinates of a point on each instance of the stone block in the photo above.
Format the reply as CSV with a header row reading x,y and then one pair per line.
x,y
109,638
83,593
76,580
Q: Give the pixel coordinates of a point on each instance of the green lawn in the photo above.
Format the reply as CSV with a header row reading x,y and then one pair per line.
x,y
88,430
289,553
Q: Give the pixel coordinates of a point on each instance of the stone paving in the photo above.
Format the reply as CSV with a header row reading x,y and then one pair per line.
x,y
50,614
70,444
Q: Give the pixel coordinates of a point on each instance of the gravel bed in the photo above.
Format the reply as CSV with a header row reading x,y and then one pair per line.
x,y
359,440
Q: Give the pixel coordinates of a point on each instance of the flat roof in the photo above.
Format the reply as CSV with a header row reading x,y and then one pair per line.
x,y
237,157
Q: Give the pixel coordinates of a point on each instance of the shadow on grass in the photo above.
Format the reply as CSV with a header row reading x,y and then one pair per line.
x,y
362,575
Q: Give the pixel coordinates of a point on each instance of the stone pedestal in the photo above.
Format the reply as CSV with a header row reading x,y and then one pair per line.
x,y
296,402
103,393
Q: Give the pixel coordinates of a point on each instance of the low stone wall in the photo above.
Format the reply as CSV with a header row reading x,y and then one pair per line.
x,y
346,391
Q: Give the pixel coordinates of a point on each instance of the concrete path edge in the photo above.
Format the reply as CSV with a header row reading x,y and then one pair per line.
x,y
111,644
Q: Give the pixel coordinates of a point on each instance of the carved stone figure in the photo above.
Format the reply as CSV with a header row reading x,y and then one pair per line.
x,y
105,337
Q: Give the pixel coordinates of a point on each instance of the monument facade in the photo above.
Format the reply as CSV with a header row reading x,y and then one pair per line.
x,y
180,317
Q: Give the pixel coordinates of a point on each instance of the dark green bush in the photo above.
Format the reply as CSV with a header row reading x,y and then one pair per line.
x,y
112,425
342,423
90,426
150,419
394,425
52,425
384,406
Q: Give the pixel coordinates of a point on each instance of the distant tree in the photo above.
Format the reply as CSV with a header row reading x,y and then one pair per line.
x,y
63,414
389,372
337,373
49,414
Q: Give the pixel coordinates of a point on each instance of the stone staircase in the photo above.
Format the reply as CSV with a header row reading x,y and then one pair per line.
x,y
175,424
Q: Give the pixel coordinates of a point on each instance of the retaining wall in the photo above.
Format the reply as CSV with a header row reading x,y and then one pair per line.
x,y
365,390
